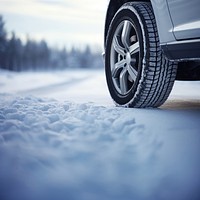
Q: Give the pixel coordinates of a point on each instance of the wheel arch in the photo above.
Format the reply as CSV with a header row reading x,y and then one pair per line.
x,y
113,6
160,9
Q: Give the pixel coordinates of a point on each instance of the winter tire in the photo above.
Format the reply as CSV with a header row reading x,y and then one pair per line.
x,y
137,73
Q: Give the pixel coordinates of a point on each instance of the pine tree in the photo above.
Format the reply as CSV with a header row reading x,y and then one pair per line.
x,y
43,55
14,53
2,44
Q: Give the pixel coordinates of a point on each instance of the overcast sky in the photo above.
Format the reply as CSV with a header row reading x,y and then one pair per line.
x,y
60,22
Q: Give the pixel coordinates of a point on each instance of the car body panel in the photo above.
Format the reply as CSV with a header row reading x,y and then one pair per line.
x,y
163,20
185,16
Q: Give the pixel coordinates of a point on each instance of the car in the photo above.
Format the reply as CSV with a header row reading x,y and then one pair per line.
x,y
148,45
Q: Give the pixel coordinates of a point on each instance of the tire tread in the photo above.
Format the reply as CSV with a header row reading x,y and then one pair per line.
x,y
159,73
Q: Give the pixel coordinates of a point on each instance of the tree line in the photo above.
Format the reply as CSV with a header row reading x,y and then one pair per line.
x,y
31,55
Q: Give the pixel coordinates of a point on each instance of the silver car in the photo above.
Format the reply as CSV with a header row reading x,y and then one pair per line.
x,y
148,45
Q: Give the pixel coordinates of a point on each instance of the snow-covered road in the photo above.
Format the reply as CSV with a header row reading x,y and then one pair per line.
x,y
62,138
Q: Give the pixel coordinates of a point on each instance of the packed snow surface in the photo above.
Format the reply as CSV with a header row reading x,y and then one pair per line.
x,y
62,138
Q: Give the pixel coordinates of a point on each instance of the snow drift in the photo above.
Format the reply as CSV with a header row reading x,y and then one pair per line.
x,y
52,149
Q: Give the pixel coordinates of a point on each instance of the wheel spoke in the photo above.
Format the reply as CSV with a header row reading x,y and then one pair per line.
x,y
132,72
118,48
117,68
135,48
125,34
123,81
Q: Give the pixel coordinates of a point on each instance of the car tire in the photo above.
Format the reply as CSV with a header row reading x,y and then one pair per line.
x,y
137,73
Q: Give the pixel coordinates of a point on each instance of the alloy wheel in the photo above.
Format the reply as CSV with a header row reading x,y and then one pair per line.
x,y
124,57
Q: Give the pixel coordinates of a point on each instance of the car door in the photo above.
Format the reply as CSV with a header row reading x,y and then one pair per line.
x,y
185,16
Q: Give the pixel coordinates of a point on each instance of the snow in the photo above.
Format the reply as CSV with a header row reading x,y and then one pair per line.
x,y
62,138
74,85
